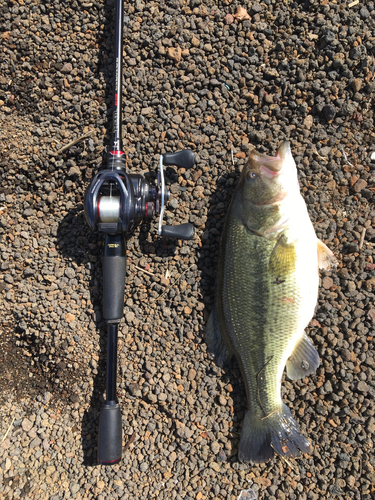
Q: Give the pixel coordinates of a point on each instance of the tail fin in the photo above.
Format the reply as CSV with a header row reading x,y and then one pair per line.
x,y
276,433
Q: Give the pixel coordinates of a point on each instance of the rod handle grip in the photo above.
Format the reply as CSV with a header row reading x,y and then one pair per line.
x,y
110,434
114,274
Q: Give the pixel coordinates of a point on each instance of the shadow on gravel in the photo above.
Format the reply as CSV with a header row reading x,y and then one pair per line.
x,y
77,243
207,264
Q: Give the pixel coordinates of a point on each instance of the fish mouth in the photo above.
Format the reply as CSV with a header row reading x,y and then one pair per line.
x,y
271,166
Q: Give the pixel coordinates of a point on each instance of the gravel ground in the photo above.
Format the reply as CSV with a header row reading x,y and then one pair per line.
x,y
207,77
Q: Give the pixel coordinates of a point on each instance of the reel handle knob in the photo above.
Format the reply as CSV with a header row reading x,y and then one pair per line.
x,y
184,158
181,232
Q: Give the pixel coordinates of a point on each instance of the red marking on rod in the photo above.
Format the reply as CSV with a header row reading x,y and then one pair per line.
x,y
117,153
115,99
110,461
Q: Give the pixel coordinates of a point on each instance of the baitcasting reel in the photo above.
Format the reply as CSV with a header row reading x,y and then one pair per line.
x,y
117,201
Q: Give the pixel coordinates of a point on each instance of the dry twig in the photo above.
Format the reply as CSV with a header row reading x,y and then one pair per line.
x,y
362,238
64,148
8,430
175,281
144,270
130,441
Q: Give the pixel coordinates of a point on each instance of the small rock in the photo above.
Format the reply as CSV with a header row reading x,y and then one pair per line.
x,y
173,204
26,425
174,53
327,282
70,273
222,400
129,316
357,84
74,487
215,466
362,386
195,42
135,389
184,432
241,14
215,447
28,212
67,68
47,397
5,445
69,318
359,185
329,112
74,171
7,464
143,467
308,122
350,481
229,19
35,442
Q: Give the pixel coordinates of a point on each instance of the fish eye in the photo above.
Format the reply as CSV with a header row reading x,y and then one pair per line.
x,y
251,176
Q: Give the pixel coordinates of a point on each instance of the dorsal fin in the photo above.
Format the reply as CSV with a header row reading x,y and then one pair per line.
x,y
326,258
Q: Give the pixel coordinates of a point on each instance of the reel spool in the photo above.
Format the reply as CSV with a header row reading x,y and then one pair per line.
x,y
109,208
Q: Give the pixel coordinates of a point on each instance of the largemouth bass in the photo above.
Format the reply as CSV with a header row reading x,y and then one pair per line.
x,y
266,293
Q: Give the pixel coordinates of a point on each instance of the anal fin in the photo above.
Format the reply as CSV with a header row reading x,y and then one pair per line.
x,y
215,341
303,361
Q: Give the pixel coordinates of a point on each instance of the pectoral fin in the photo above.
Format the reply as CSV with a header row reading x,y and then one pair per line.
x,y
215,341
282,259
326,258
304,359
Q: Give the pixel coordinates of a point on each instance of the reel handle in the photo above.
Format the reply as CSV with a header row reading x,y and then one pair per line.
x,y
184,158
181,231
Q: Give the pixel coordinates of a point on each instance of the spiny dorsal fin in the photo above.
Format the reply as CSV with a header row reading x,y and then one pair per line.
x,y
304,359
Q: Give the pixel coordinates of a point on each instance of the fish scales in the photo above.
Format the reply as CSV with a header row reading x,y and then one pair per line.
x,y
267,285
262,340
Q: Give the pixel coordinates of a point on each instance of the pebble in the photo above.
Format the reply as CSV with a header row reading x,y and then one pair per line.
x,y
26,425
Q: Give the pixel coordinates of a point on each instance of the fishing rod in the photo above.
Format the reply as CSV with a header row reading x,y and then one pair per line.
x,y
115,203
